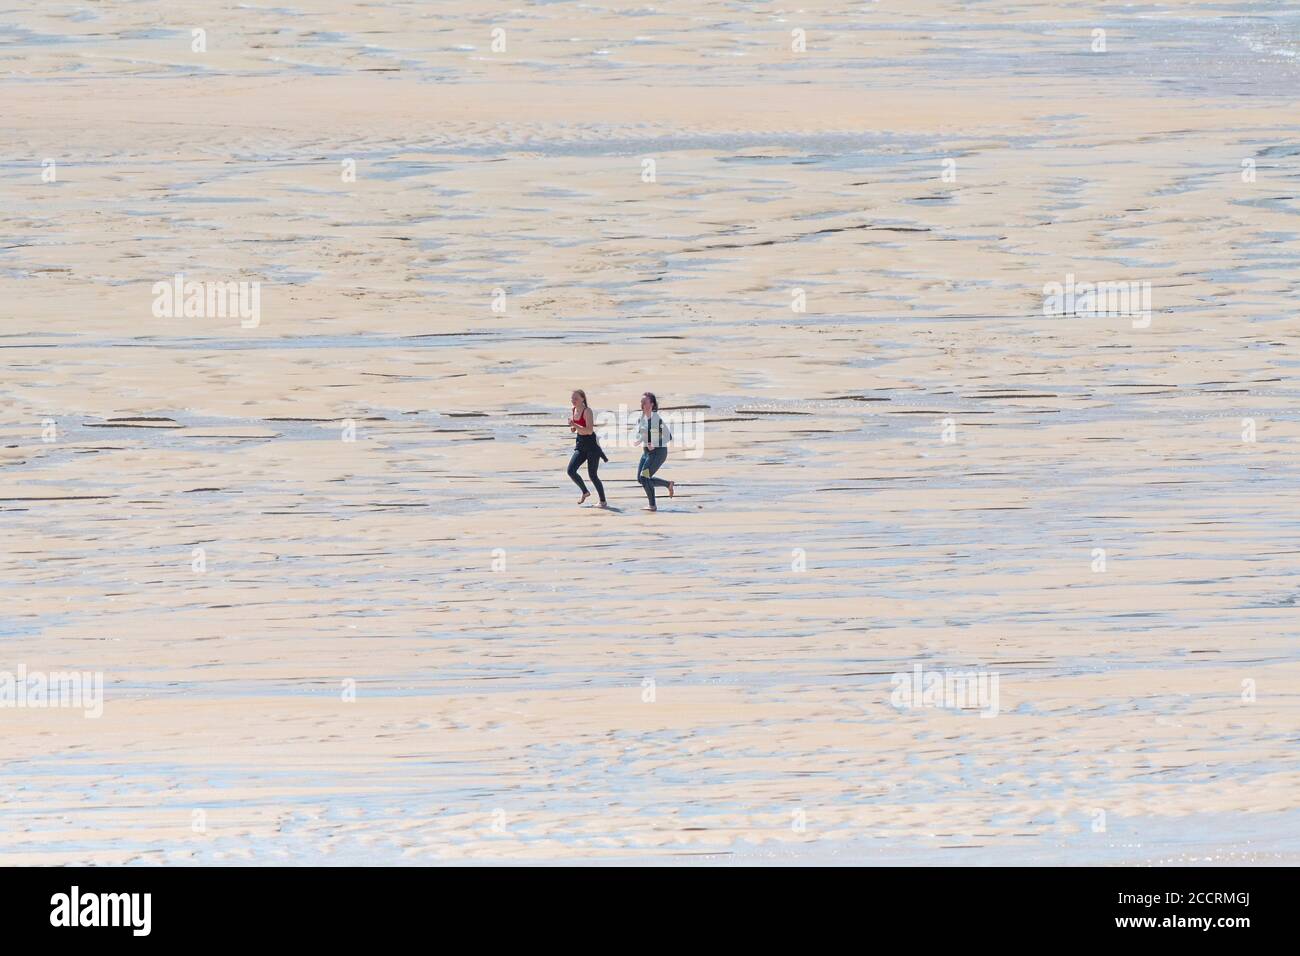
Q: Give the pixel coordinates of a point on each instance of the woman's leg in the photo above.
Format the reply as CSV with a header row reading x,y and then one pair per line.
x,y
593,463
574,462
657,459
643,474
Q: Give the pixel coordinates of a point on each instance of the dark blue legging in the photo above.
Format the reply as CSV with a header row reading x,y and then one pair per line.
x,y
590,453
651,461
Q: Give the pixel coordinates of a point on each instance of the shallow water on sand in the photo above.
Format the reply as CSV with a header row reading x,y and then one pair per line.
x,y
917,469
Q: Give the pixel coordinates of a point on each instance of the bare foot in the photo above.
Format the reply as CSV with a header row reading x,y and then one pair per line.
x,y
672,489
603,504
649,508
585,496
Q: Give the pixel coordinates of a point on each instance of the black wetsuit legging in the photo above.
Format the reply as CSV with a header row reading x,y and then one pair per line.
x,y
651,461
587,449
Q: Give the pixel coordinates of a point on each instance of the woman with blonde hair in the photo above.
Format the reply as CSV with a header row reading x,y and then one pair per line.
x,y
582,422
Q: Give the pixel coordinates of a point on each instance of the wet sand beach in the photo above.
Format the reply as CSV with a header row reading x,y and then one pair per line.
x,y
330,566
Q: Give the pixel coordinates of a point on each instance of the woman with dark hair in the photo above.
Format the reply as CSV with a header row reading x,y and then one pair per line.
x,y
652,434
582,422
